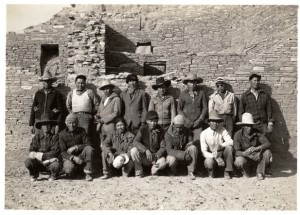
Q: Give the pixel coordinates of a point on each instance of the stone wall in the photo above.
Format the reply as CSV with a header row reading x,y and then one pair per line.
x,y
211,41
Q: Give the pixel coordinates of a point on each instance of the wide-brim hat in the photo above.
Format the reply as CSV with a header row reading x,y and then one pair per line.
x,y
247,119
120,160
151,115
220,80
161,82
45,120
179,120
131,77
106,83
192,77
214,116
47,76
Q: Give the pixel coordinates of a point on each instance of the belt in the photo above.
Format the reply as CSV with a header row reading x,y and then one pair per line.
x,y
84,113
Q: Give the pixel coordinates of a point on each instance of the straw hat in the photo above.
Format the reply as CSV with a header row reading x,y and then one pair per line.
x,y
214,116
191,77
120,160
220,80
106,83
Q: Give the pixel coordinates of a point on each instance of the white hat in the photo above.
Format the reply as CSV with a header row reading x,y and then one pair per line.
x,y
179,120
106,83
247,119
120,160
220,80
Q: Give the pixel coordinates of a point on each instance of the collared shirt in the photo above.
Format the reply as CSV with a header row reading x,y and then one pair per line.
x,y
226,105
212,140
260,108
255,93
164,107
45,143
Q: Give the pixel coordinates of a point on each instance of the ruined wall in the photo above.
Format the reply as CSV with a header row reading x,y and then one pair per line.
x,y
211,41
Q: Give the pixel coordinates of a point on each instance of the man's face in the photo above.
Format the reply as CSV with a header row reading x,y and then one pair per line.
x,y
72,125
47,84
221,87
107,91
46,128
152,123
191,85
162,90
178,128
254,83
248,129
120,126
213,125
80,84
132,84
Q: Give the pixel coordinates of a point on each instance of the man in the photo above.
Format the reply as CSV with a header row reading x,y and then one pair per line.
x,y
109,110
47,101
149,146
216,146
83,102
180,147
251,147
76,149
162,103
224,103
257,102
43,150
116,150
134,104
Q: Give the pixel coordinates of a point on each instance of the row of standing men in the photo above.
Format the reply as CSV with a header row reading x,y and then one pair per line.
x,y
192,108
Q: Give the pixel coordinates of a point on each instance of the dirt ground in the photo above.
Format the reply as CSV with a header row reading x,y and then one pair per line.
x,y
277,192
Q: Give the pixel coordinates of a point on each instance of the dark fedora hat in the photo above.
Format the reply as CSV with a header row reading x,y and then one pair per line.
x,y
47,76
131,77
161,82
45,120
151,115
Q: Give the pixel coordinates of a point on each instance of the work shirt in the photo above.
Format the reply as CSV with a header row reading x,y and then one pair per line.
x,y
226,105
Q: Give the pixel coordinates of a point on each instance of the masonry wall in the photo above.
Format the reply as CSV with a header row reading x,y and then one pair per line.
x,y
210,41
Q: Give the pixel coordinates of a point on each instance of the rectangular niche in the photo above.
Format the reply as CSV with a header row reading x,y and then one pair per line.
x,y
144,48
155,68
48,51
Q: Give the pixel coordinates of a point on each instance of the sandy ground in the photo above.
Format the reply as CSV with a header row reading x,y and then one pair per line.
x,y
277,192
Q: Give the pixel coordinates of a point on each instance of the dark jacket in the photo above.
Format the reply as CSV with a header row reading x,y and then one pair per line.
x,y
51,104
242,143
152,140
69,139
117,143
192,110
177,144
49,145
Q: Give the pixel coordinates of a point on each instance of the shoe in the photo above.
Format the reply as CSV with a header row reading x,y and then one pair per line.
x,y
139,176
88,177
211,174
104,177
191,176
227,175
260,177
33,178
52,178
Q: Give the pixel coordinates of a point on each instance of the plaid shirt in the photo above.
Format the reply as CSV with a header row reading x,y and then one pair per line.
x,y
260,109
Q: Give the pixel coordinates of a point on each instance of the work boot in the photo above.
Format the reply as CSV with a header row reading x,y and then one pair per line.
x,y
33,178
260,177
88,177
104,177
191,176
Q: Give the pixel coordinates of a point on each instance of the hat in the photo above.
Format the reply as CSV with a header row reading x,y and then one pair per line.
x,y
81,77
106,83
160,82
254,76
220,80
131,77
178,120
45,120
72,117
247,119
191,77
151,115
120,160
47,76
214,116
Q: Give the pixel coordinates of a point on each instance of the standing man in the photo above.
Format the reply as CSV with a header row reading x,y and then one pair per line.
x,y
251,148
163,104
134,104
216,146
43,150
180,147
257,102
83,102
149,146
47,101
224,103
109,110
76,148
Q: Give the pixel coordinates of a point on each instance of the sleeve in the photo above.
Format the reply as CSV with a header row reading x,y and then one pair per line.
x,y
151,105
181,105
59,102
162,149
269,109
122,104
227,139
115,113
54,149
234,106
204,107
69,102
32,113
170,149
137,142
63,147
144,106
94,100
173,109
265,143
204,147
211,103
34,145
242,107
85,142
237,145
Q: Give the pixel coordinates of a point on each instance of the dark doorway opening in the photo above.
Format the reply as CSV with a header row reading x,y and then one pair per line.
x,y
155,68
48,51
